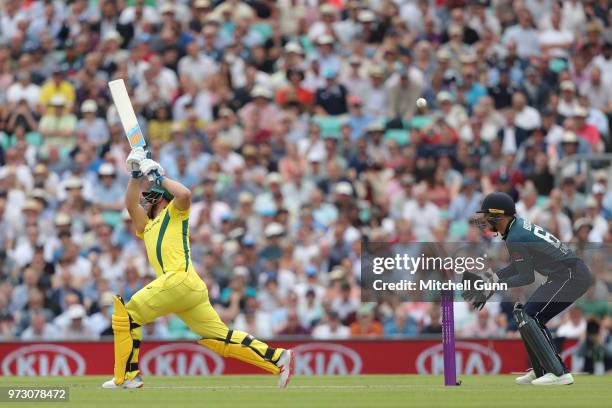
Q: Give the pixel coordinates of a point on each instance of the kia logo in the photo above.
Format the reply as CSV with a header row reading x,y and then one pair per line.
x,y
326,359
181,359
471,358
43,360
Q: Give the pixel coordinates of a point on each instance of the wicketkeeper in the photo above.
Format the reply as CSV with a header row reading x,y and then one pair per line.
x,y
532,249
161,220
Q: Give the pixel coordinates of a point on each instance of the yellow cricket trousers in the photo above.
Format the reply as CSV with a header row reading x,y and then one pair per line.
x,y
185,294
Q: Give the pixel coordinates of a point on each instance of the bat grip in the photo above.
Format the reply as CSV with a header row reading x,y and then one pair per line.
x,y
154,175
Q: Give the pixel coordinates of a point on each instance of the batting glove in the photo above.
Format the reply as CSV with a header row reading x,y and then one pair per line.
x,y
153,170
133,161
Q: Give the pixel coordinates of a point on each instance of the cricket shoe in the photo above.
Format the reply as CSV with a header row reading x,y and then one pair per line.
x,y
551,379
135,382
285,363
527,378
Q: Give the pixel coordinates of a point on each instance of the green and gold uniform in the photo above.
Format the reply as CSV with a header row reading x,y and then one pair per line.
x,y
178,289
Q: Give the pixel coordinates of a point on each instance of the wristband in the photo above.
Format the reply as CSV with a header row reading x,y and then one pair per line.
x,y
159,180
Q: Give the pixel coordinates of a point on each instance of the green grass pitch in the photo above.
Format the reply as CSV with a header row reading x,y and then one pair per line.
x,y
371,391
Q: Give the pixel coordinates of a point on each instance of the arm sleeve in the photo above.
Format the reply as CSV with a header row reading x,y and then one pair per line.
x,y
520,271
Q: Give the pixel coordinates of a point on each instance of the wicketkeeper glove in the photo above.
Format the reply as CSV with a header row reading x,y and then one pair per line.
x,y
477,297
133,161
470,294
153,170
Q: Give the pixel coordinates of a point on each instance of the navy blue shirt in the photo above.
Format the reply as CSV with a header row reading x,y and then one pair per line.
x,y
532,248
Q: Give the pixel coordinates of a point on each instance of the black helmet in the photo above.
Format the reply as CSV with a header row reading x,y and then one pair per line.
x,y
498,203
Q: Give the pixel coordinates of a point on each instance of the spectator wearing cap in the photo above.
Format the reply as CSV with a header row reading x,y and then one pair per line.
x,y
259,114
57,85
325,23
371,31
113,53
331,328
602,193
93,126
325,54
331,98
567,102
57,125
454,48
77,329
109,190
585,130
353,76
596,118
366,324
273,232
593,212
582,230
375,94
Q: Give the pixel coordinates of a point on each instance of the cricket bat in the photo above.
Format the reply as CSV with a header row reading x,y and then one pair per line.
x,y
127,116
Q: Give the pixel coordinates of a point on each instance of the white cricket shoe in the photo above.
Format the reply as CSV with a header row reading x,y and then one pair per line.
x,y
527,378
285,363
135,382
551,379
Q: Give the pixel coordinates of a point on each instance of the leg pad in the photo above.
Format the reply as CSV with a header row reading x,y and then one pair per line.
x,y
538,344
122,338
244,347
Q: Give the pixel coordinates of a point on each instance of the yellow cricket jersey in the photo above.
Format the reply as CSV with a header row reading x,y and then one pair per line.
x,y
166,239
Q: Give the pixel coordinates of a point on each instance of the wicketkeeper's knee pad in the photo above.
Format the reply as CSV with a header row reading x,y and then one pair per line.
x,y
125,344
244,347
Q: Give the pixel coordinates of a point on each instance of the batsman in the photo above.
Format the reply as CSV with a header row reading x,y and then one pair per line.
x,y
533,249
161,219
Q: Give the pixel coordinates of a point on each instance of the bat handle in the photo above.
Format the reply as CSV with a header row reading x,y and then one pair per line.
x,y
154,175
